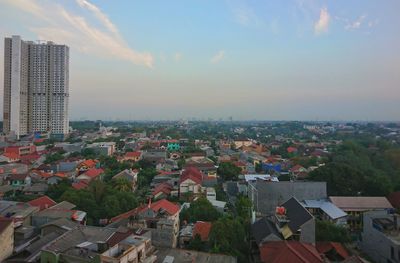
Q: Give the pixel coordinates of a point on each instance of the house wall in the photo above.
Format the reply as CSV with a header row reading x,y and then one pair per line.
x,y
267,195
308,232
375,243
7,242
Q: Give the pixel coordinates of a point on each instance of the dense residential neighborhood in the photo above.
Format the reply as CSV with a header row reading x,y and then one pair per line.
x,y
204,192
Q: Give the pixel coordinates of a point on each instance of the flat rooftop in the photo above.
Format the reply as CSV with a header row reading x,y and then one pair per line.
x,y
183,256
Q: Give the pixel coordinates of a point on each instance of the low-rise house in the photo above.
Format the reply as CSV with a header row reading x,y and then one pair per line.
x,y
204,165
61,210
20,180
191,181
130,175
91,174
56,178
9,157
132,156
298,171
93,244
13,168
35,189
42,202
202,229
154,157
327,211
262,177
161,218
242,142
380,237
69,168
295,222
103,148
79,185
162,190
6,238
289,251
355,206
87,164
267,195
167,255
20,213
264,230
333,251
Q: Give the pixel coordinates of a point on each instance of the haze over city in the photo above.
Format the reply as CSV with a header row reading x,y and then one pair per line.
x,y
265,60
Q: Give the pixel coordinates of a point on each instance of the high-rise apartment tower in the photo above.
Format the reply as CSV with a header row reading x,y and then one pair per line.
x,y
36,87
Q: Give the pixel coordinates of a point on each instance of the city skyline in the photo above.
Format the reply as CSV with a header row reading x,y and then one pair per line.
x,y
272,60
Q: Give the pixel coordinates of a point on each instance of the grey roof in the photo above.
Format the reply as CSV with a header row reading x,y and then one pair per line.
x,y
327,207
37,245
36,188
67,166
62,223
296,213
127,174
64,205
263,228
79,235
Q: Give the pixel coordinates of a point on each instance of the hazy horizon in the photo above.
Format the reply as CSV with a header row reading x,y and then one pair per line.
x,y
252,60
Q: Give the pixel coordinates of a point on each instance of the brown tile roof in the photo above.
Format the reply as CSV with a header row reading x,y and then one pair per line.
x,y
289,251
361,203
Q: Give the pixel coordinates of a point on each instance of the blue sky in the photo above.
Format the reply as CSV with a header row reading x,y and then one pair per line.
x,y
266,60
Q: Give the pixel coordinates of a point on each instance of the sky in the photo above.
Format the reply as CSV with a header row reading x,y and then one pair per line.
x,y
250,60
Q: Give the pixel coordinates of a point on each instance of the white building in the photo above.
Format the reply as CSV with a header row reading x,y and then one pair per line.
x,y
36,87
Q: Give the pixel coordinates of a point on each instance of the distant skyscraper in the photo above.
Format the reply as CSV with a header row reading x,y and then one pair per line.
x,y
36,87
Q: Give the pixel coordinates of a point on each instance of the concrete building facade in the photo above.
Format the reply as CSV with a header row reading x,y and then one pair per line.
x,y
36,87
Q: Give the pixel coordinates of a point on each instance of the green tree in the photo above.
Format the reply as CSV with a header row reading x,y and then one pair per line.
x,y
327,231
200,210
228,236
228,171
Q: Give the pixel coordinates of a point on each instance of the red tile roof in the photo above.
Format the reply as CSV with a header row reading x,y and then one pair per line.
x,y
80,185
133,154
164,204
193,174
325,247
42,202
11,155
93,172
126,215
88,163
166,188
202,229
291,149
289,251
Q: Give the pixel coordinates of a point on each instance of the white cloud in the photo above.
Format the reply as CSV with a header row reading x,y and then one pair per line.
x,y
62,26
322,24
355,24
243,13
218,57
